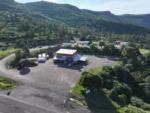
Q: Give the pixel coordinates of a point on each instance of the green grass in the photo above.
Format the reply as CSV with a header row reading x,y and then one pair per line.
x,y
77,89
117,63
6,83
131,109
4,53
144,51
96,71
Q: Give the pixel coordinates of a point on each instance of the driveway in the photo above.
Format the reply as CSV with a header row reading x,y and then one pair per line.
x,y
48,85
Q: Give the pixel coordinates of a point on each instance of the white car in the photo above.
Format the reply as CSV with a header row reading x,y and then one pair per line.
x,y
42,57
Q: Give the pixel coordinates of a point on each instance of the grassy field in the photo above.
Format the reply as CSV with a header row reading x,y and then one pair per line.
x,y
6,83
4,53
144,51
96,71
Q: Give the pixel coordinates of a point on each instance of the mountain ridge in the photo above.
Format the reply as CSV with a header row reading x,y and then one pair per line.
x,y
142,20
73,15
76,17
41,23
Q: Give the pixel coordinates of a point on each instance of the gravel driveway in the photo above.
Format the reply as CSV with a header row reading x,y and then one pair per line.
x,y
48,85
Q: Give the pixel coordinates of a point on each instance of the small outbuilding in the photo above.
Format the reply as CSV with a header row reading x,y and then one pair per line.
x,y
67,55
83,43
120,44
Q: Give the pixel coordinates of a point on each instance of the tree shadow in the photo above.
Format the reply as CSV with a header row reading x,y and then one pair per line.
x,y
113,58
78,66
24,71
98,102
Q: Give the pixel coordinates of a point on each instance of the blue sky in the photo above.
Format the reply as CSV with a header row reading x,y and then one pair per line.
x,y
115,6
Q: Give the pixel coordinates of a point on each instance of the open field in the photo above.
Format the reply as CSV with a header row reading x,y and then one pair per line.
x,y
4,53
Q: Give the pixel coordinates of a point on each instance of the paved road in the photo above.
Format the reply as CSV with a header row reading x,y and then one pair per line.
x,y
47,85
17,106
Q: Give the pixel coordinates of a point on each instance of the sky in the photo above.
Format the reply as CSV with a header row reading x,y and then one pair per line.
x,y
115,6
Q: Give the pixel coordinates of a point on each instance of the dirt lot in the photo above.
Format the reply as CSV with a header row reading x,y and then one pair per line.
x,y
48,85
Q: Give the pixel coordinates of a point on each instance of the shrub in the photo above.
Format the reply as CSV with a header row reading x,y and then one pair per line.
x,y
13,63
147,88
122,99
136,102
23,63
107,76
129,67
108,69
108,83
90,81
121,73
147,59
139,103
35,53
94,49
121,93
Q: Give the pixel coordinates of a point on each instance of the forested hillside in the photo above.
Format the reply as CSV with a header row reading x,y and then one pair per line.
x,y
142,20
33,29
44,23
75,17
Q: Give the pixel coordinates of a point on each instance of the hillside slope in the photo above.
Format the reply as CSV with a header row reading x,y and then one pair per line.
x,y
141,20
75,17
42,23
19,27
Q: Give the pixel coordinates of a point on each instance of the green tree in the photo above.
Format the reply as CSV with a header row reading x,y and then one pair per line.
x,y
147,88
102,44
121,93
90,81
147,59
132,55
25,52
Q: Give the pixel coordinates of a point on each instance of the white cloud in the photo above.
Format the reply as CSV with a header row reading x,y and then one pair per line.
x,y
25,1
56,1
115,6
123,6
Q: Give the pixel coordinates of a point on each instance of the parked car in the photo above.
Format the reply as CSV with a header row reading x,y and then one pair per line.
x,y
83,60
42,58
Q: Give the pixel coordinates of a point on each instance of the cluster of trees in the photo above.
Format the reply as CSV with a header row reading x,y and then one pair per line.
x,y
102,48
38,30
127,83
16,28
77,18
20,60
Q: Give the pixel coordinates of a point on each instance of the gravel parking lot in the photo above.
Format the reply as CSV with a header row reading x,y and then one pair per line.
x,y
48,85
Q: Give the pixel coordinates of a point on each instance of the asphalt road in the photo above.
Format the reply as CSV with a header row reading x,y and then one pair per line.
x,y
11,105
46,87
